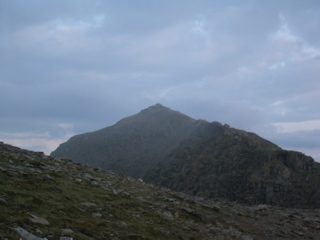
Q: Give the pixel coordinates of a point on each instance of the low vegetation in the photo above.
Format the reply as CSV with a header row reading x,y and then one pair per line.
x,y
42,197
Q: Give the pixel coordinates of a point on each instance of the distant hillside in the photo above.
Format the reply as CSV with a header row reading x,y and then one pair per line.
x,y
43,198
211,160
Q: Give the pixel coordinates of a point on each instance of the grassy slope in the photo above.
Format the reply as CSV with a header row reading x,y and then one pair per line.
x,y
62,192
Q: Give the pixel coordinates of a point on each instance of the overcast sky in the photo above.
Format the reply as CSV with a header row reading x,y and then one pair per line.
x,y
69,67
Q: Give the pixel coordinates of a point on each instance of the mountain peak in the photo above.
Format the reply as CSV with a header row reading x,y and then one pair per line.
x,y
158,107
157,116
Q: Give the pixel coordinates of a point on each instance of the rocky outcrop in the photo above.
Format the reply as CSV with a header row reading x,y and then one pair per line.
x,y
211,160
239,166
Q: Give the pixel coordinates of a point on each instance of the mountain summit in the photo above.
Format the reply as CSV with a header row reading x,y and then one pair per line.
x,y
210,160
133,145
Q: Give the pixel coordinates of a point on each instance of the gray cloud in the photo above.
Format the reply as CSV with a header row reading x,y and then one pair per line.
x,y
69,67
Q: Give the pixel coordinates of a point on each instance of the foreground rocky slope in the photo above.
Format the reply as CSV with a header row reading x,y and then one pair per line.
x,y
42,197
211,160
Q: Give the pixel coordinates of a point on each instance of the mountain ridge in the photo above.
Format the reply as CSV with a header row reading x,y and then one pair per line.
x,y
211,160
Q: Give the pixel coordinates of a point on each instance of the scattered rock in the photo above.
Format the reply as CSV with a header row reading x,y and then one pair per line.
x,y
35,219
116,191
244,237
88,176
89,204
94,182
234,232
167,214
123,224
298,232
26,235
3,201
211,207
258,207
140,198
67,230
96,215
48,177
140,181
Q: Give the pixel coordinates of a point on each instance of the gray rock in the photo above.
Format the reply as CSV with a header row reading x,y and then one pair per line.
x,y
234,232
140,181
87,176
48,177
298,232
26,235
211,207
94,182
258,207
35,219
3,201
140,198
244,237
27,169
67,230
116,191
123,224
96,215
89,204
167,214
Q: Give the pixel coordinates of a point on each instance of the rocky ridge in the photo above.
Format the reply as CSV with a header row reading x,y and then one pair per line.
x,y
42,197
238,166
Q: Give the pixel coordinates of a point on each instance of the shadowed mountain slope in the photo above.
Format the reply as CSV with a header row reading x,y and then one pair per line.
x,y
228,163
205,159
133,145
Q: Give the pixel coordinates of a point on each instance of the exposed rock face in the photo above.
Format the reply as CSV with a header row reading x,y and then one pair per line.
x,y
242,170
205,159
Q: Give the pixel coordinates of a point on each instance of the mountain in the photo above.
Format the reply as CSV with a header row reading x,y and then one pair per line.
x,y
132,146
209,160
43,198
